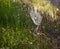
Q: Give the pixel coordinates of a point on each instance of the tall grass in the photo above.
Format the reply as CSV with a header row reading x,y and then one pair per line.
x,y
15,28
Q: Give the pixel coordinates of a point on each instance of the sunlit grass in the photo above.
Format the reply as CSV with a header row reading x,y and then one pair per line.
x,y
47,7
17,28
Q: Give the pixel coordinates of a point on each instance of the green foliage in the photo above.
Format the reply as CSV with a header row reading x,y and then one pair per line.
x,y
16,27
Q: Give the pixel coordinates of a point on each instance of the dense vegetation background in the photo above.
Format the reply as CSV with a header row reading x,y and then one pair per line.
x,y
17,28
